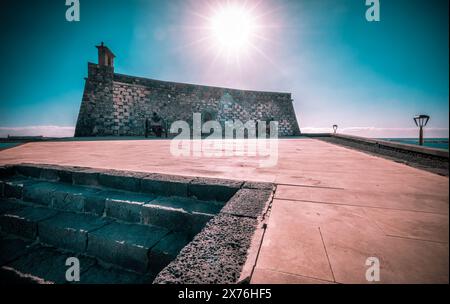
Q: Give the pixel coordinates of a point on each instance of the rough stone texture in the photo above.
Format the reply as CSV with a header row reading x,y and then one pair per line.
x,y
179,214
216,255
24,222
126,245
213,189
69,230
165,184
247,202
115,104
259,185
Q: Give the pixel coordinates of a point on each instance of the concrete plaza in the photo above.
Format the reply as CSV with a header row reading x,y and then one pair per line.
x,y
333,208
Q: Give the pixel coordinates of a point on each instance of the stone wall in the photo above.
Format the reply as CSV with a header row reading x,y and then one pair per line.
x,y
116,104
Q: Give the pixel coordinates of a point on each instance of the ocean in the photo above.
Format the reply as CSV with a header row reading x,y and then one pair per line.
x,y
439,143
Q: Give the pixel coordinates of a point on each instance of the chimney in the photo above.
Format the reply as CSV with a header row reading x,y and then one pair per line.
x,y
105,56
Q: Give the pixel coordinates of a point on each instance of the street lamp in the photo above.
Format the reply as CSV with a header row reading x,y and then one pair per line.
x,y
335,128
421,121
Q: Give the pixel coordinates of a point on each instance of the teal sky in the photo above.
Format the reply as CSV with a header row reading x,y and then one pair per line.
x,y
369,78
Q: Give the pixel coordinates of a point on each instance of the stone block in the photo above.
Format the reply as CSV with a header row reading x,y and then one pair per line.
x,y
56,173
39,193
126,245
125,206
47,264
94,203
14,188
71,198
248,202
69,230
6,171
259,186
213,189
82,176
160,184
28,170
166,250
117,180
24,222
12,248
8,205
179,214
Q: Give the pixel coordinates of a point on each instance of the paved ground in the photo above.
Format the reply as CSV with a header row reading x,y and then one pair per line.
x,y
429,163
334,207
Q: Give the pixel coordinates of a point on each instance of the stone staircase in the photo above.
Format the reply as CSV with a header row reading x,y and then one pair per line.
x,y
123,229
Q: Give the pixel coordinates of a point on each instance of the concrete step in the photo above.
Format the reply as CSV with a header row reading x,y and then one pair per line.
x,y
144,249
23,262
157,184
180,214
113,221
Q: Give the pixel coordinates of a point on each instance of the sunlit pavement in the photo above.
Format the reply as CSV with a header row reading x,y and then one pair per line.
x,y
334,207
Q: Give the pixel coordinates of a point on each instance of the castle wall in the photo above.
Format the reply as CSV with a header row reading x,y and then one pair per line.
x,y
116,104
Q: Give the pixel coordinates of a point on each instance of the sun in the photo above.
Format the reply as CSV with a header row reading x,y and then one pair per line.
x,y
233,28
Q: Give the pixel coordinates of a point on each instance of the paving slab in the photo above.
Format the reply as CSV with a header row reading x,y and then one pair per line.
x,y
413,225
294,248
344,184
266,276
425,202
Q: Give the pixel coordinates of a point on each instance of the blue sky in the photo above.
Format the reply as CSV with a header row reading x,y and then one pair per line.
x,y
369,78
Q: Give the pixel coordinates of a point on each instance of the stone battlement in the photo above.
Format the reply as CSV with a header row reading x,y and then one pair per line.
x,y
117,104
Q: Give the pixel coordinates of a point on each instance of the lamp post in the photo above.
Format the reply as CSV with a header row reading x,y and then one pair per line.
x,y
335,128
421,121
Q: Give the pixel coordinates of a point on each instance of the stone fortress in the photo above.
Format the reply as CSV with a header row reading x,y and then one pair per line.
x,y
119,105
